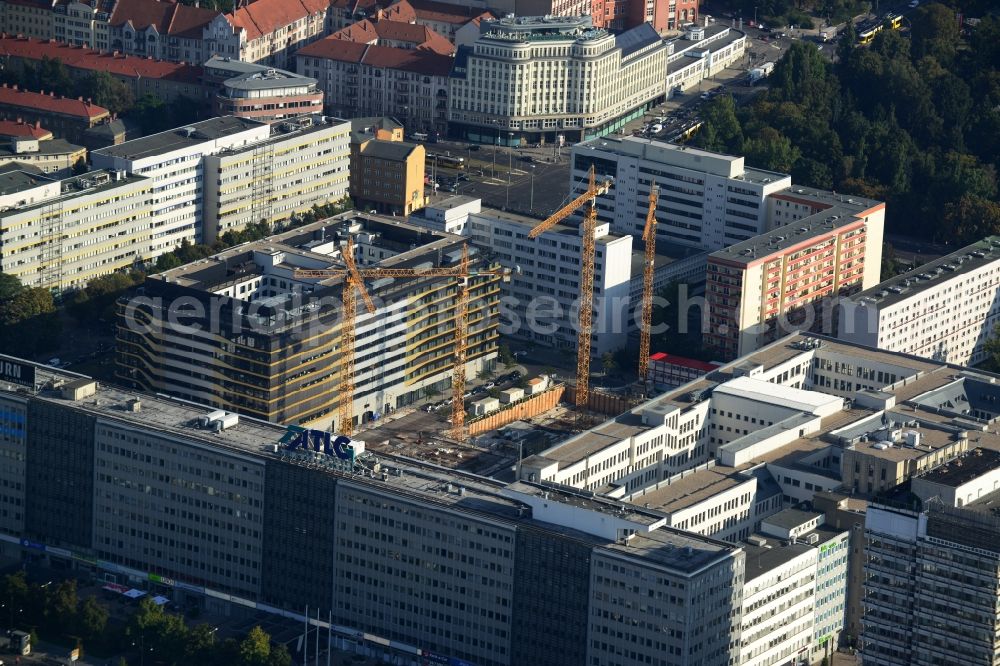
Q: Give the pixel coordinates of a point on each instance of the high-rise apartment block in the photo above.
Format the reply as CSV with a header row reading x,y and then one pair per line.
x,y
541,299
945,310
535,78
519,573
268,343
793,276
706,200
221,174
932,572
58,234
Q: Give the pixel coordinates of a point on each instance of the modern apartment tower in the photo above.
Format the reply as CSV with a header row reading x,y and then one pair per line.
x,y
933,571
707,200
945,309
266,343
221,174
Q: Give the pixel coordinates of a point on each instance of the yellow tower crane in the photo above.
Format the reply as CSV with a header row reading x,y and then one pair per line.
x,y
354,281
648,267
593,191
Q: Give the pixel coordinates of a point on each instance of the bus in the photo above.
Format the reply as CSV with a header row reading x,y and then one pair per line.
x,y
867,35
894,21
448,161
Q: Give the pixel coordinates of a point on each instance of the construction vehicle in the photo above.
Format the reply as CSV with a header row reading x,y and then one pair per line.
x,y
648,268
354,283
593,191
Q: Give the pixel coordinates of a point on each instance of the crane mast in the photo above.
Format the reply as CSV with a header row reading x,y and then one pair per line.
x,y
648,267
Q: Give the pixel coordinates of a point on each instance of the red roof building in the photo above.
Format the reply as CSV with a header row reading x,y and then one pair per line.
x,y
166,80
396,34
67,118
420,102
668,370
19,129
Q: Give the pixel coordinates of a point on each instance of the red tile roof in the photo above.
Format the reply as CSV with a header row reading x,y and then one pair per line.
x,y
427,63
20,128
265,16
683,362
422,37
170,18
50,103
77,57
443,12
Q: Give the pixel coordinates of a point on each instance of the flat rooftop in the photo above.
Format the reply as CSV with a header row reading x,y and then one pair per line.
x,y
15,180
666,254
941,270
791,518
965,468
92,182
676,550
778,240
411,243
692,489
180,138
681,156
531,222
717,37
761,560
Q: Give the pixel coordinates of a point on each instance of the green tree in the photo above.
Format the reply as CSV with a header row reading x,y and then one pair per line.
x,y
969,219
29,323
992,350
93,618
890,264
255,650
935,33
769,149
608,363
109,92
61,605
279,656
721,130
14,595
79,167
51,76
506,357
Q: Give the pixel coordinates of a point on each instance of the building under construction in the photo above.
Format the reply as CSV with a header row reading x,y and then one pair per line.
x,y
245,331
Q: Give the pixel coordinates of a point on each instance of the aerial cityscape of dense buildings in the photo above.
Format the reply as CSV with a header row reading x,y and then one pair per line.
x,y
492,334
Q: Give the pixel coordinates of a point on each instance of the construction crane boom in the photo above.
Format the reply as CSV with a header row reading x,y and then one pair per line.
x,y
586,312
461,344
354,283
593,191
648,267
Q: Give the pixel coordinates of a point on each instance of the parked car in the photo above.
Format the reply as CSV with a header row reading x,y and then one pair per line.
x,y
489,385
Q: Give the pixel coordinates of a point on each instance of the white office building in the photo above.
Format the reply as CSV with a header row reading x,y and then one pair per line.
x,y
706,200
538,78
58,234
540,301
944,310
794,596
174,161
221,174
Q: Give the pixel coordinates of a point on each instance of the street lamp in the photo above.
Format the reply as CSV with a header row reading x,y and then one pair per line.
x,y
531,201
510,164
495,145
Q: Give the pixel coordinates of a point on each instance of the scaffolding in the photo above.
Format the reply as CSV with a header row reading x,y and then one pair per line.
x,y
51,272
262,182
